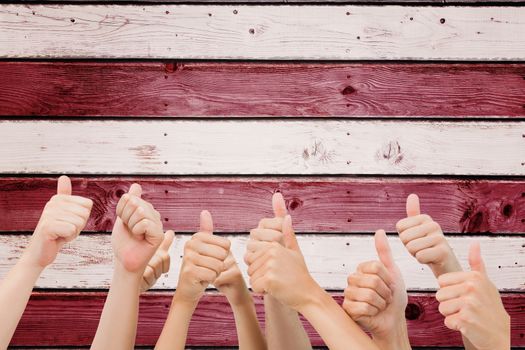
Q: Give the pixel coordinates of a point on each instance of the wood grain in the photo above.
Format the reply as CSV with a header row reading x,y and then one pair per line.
x,y
192,89
318,205
48,314
87,262
181,147
262,32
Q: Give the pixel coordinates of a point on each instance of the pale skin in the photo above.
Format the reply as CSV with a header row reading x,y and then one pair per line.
x,y
472,305
284,329
207,260
62,220
376,298
425,240
135,238
294,287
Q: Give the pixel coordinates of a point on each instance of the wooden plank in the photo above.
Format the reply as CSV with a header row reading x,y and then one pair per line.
x,y
262,32
318,205
180,147
365,2
47,313
179,89
87,262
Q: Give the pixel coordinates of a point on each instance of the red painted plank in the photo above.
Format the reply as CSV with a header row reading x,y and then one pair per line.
x,y
317,204
175,89
49,314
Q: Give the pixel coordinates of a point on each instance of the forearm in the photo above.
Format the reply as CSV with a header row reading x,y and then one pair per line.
x,y
15,291
248,329
118,324
284,329
175,330
338,331
395,340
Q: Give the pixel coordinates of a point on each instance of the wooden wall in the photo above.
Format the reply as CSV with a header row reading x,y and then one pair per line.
x,y
344,108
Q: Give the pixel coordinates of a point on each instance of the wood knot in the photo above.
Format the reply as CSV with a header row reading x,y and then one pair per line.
x,y
173,67
348,90
294,204
412,311
392,152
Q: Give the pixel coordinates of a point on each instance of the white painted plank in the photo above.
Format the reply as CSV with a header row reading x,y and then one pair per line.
x,y
263,32
262,147
87,262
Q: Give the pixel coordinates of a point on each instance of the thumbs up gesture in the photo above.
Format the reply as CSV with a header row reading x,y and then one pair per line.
x,y
203,261
62,220
376,298
425,240
472,305
275,263
137,232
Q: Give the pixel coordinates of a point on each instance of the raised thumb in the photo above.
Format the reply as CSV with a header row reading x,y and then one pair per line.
x,y
169,236
278,205
135,190
412,205
383,249
206,222
64,185
290,240
474,258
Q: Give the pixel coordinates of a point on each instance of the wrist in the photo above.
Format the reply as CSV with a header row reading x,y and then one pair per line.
x,y
394,339
316,298
30,265
122,276
184,302
449,265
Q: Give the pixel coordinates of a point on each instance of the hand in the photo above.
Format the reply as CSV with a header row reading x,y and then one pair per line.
x,y
425,240
159,263
376,297
62,220
231,282
280,271
270,229
203,261
137,232
472,305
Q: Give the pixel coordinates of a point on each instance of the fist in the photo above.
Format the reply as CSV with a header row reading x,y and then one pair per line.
x,y
278,270
424,239
376,297
137,232
231,282
62,220
472,305
203,261
158,264
270,229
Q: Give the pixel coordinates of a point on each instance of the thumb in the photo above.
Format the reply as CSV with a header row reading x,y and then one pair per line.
x,y
474,258
290,241
278,204
413,205
169,236
135,190
206,222
64,185
383,249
